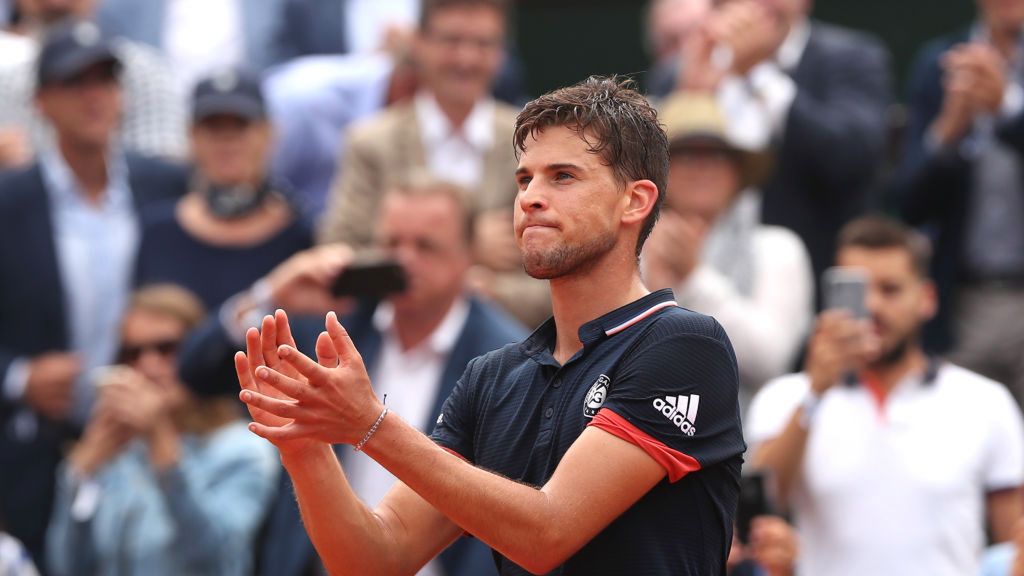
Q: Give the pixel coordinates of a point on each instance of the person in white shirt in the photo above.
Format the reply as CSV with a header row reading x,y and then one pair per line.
x,y
712,249
890,461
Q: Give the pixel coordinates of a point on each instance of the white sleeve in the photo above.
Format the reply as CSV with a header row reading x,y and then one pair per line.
x,y
767,328
1004,460
773,407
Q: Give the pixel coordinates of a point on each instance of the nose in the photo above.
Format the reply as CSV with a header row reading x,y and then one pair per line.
x,y
533,198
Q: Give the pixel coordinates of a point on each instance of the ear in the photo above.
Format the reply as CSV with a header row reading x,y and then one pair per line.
x,y
639,200
929,300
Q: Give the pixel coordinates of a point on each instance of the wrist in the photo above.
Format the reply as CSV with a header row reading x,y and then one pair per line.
x,y
298,453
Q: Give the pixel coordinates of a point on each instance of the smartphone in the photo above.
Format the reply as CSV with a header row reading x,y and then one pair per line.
x,y
846,289
373,279
100,376
754,502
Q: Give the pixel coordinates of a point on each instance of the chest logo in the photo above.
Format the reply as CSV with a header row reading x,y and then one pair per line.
x,y
596,396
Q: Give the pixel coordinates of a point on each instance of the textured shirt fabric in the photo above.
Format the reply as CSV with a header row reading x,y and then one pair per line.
x,y
96,246
653,374
199,517
153,118
897,487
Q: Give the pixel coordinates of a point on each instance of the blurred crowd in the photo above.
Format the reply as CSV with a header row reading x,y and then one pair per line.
x,y
174,171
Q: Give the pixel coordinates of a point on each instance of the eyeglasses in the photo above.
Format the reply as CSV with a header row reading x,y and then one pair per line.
x,y
130,353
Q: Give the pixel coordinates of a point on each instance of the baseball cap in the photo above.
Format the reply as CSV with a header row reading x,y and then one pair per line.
x,y
234,92
69,49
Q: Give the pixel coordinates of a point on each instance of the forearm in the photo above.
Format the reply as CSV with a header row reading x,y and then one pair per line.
x,y
349,537
531,531
783,456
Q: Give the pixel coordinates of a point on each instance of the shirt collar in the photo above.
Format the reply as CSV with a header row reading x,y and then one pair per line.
x,y
478,129
792,48
442,339
62,186
606,326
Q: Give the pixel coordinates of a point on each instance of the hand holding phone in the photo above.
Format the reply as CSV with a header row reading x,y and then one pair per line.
x,y
374,279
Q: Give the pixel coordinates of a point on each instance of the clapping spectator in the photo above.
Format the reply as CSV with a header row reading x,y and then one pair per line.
x,y
710,245
162,482
232,226
962,177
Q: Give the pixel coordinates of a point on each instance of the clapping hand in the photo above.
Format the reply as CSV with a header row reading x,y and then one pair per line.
x,y
295,401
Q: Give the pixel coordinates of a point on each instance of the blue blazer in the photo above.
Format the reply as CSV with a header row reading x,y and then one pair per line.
x,y
932,186
33,320
287,550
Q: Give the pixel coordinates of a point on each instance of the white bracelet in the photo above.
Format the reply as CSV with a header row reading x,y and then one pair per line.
x,y
372,430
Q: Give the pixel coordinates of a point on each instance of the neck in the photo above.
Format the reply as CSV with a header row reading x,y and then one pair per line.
x,y
581,297
415,325
455,112
889,374
1004,38
89,165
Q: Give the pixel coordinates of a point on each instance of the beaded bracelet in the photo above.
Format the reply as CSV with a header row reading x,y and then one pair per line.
x,y
373,429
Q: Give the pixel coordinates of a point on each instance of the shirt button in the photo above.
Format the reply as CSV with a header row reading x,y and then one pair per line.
x,y
549,412
556,383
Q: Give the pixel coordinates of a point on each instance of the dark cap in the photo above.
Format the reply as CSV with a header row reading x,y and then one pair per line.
x,y
233,92
69,49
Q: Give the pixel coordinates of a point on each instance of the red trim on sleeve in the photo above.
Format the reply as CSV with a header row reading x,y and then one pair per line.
x,y
675,463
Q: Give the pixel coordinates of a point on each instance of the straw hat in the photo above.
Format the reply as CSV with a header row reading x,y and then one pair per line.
x,y
695,122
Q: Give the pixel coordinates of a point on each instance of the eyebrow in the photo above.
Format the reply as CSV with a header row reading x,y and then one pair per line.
x,y
554,168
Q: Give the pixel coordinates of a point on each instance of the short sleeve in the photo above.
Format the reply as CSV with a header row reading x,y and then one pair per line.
x,y
454,428
677,400
1004,464
773,406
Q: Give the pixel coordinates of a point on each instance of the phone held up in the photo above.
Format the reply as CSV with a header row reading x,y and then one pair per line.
x,y
846,289
370,279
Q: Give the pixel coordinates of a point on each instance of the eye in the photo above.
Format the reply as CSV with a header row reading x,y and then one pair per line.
x,y
564,176
524,181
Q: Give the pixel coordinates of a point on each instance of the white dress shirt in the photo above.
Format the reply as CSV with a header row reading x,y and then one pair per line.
x,y
455,154
411,380
201,37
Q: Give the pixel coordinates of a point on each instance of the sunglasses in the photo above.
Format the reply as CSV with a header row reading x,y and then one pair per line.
x,y
130,354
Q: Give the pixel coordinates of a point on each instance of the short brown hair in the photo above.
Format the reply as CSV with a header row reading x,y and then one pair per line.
x,y
616,122
877,232
431,7
421,185
169,300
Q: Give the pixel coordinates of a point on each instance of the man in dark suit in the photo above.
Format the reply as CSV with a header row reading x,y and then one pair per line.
x,y
68,232
815,93
963,177
417,344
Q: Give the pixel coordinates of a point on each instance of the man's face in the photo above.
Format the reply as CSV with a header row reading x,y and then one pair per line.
x,y
702,181
899,301
149,344
568,212
789,11
426,234
671,22
460,51
230,150
85,109
50,11
1006,14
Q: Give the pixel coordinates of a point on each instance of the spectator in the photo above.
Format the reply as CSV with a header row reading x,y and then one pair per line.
x,y
162,482
772,550
668,25
199,38
417,345
962,176
710,247
455,131
232,226
890,470
68,234
807,88
153,115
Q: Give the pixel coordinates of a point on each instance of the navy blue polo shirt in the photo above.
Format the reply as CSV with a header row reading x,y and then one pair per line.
x,y
654,374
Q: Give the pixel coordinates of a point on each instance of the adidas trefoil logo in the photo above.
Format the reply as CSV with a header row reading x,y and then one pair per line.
x,y
674,408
